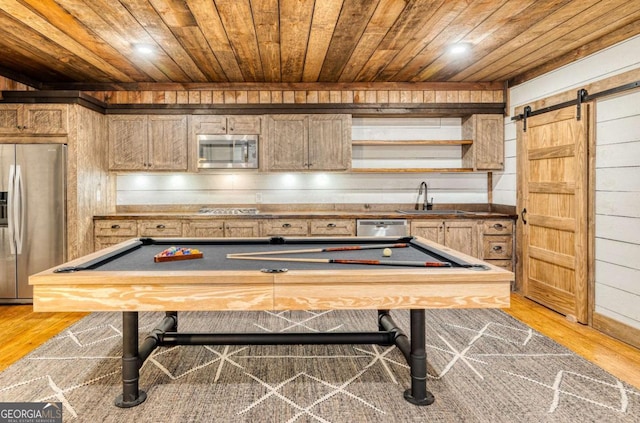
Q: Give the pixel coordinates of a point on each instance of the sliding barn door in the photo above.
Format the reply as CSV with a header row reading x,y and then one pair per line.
x,y
553,202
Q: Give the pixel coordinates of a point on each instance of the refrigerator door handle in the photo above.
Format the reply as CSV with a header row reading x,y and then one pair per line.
x,y
18,210
11,197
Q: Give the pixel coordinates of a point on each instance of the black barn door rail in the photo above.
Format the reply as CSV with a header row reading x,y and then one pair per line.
x,y
582,96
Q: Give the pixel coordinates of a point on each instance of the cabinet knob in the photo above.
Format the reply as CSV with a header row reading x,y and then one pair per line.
x,y
160,226
286,225
115,226
497,248
331,225
498,226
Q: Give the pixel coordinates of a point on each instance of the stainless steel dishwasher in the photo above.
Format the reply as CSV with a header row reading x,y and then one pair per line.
x,y
384,227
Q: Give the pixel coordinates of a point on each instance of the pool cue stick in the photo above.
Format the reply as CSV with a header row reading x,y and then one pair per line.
x,y
321,250
345,261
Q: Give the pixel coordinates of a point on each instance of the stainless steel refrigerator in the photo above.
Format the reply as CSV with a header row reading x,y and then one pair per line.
x,y
32,215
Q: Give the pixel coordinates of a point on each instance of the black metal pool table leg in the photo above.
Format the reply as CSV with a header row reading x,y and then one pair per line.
x,y
131,395
418,393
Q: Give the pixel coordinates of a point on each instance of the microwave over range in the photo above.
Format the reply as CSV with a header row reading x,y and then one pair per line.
x,y
227,151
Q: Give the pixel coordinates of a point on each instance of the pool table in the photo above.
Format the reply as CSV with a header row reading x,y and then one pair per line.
x,y
273,274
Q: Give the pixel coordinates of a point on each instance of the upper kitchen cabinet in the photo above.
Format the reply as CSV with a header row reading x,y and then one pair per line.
x,y
487,150
220,125
34,119
140,142
307,142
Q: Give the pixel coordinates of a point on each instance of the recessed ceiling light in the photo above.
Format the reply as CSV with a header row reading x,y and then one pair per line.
x,y
145,49
460,48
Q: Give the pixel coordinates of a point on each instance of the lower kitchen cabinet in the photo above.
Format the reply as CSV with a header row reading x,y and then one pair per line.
x,y
497,243
242,228
458,234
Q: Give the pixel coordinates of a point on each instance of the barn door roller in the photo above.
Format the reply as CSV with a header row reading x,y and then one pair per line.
x,y
582,96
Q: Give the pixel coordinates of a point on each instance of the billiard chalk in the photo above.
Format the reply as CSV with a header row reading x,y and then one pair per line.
x,y
386,252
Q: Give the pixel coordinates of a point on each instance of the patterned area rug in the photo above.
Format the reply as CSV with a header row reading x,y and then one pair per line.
x,y
484,366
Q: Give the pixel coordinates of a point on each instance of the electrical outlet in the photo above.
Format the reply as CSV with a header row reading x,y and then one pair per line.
x,y
258,197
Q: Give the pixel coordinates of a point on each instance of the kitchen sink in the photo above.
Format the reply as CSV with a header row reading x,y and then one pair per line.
x,y
432,212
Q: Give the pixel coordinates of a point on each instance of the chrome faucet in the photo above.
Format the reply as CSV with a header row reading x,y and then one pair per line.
x,y
426,205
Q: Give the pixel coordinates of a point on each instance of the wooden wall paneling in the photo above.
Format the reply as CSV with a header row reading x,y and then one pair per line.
x,y
299,97
210,23
10,84
172,55
182,97
583,51
342,97
195,97
64,44
90,188
58,39
488,28
267,28
22,39
217,97
462,18
105,22
418,20
265,97
384,16
295,25
594,21
253,97
352,21
325,18
512,37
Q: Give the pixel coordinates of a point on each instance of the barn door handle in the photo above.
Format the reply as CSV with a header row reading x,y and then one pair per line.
x,y
523,215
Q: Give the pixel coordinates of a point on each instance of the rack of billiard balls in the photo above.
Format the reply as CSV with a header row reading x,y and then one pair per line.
x,y
177,253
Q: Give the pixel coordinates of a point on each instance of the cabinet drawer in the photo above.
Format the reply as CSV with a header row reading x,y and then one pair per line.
x,y
298,227
337,227
160,228
497,247
119,228
497,227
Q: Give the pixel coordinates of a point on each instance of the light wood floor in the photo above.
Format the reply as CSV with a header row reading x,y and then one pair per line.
x,y
22,331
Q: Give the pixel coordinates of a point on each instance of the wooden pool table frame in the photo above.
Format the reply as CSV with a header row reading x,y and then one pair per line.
x,y
380,288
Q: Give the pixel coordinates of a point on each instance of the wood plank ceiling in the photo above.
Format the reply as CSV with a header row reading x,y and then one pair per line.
x,y
73,43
